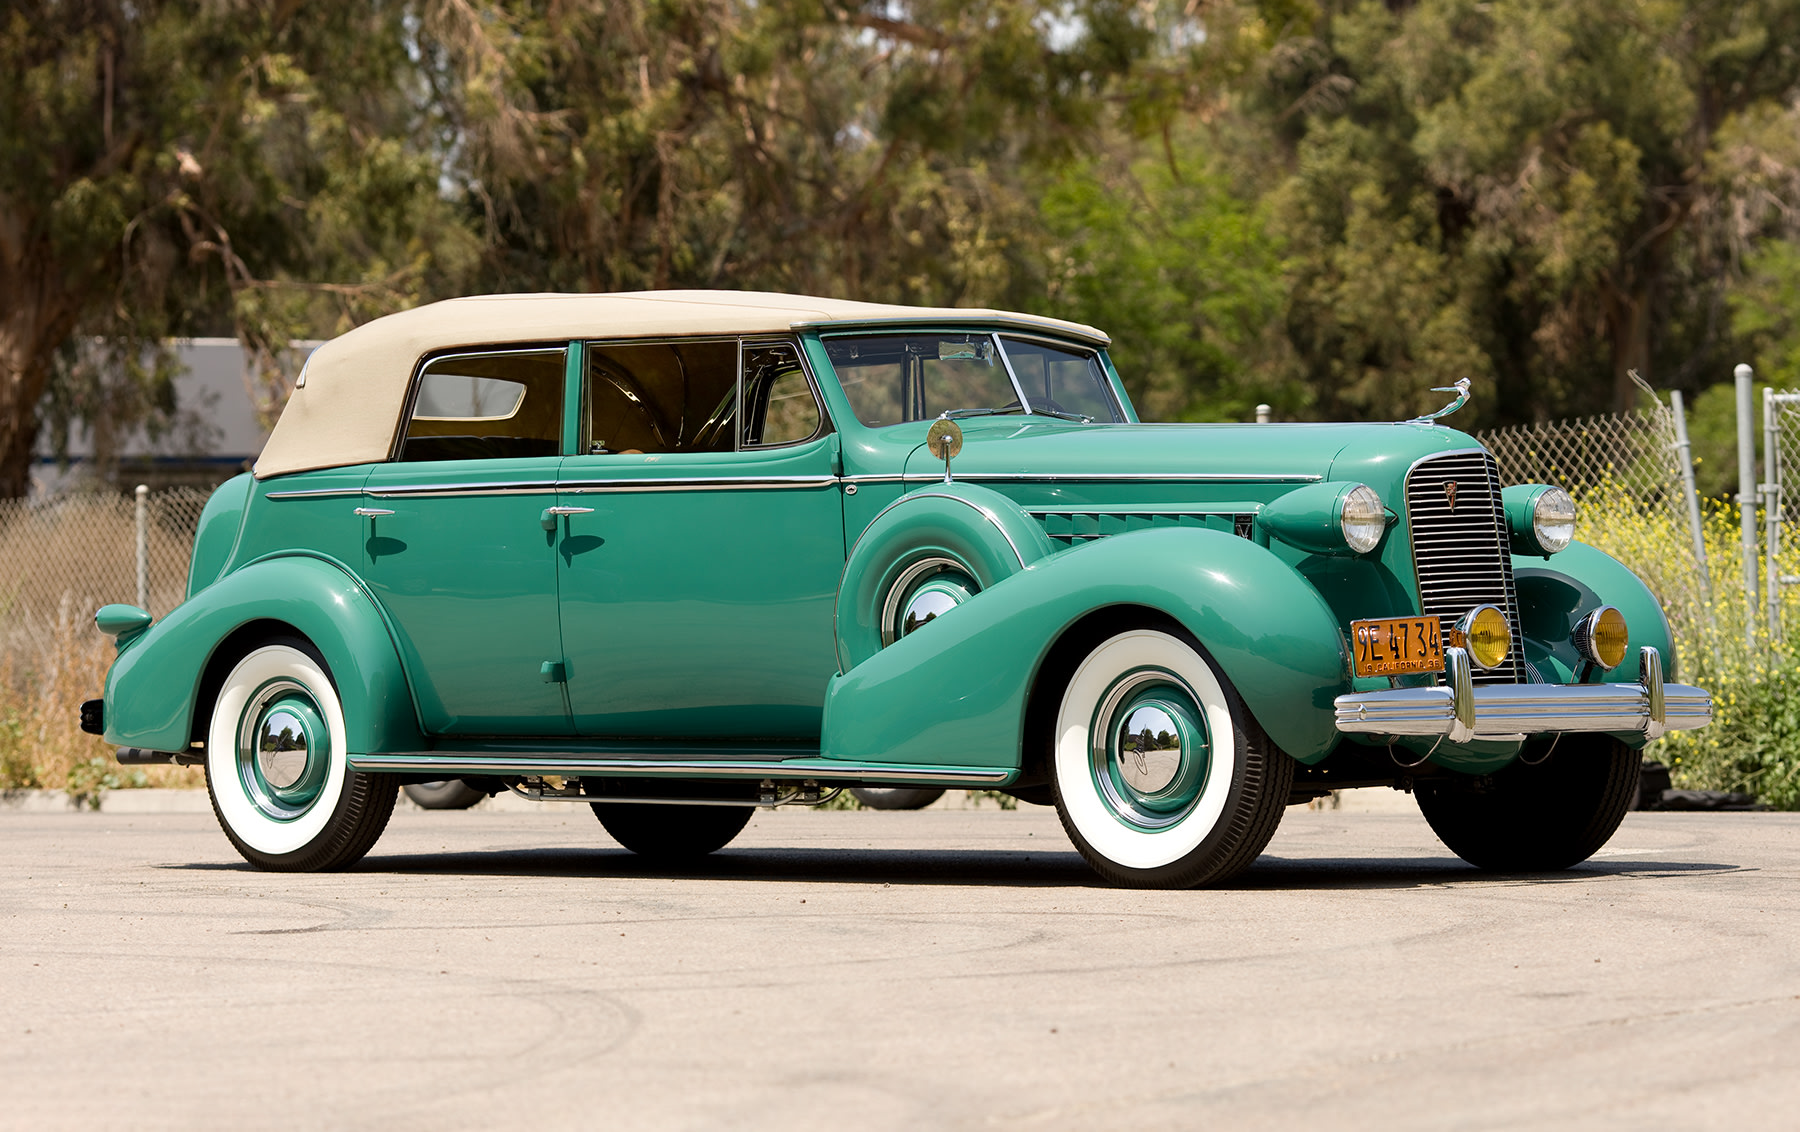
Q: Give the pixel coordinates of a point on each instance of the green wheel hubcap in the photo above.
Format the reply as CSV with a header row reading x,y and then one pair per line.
x,y
283,750
1151,749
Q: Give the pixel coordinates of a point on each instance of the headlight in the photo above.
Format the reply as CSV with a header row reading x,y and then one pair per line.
x,y
1363,518
1601,637
1489,636
1553,521
1327,518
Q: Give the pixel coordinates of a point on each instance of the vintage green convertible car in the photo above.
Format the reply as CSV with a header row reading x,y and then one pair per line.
x,y
679,554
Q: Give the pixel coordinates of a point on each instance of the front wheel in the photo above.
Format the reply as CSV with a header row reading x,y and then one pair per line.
x,y
277,766
1163,780
1543,818
672,833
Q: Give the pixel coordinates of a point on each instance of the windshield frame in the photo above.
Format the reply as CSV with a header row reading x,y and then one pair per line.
x,y
1105,378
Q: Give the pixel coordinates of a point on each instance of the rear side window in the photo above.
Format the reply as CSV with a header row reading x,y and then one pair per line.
x,y
491,405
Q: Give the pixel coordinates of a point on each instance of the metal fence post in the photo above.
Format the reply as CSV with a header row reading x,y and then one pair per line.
x,y
1771,497
1685,457
143,546
1747,499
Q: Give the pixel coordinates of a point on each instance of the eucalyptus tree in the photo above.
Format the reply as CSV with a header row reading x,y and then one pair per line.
x,y
1535,194
175,166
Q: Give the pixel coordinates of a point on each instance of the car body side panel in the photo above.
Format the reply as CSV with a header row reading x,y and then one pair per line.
x,y
151,690
217,531
1555,594
955,690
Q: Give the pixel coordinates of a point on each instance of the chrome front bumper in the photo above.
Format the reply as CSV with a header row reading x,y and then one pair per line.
x,y
1459,711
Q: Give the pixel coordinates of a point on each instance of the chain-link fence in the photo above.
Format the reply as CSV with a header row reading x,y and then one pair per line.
x,y
66,557
1625,470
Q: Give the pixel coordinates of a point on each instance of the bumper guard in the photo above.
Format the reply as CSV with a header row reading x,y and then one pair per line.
x,y
1459,711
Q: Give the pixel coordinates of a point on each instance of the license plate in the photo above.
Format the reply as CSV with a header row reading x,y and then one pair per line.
x,y
1395,646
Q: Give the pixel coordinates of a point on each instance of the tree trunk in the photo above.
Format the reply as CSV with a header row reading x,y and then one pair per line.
x,y
1628,325
36,318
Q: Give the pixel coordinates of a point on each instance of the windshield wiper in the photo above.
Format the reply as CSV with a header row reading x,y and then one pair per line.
x,y
1082,417
958,414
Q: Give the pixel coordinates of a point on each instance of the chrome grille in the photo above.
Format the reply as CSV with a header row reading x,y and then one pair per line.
x,y
1460,552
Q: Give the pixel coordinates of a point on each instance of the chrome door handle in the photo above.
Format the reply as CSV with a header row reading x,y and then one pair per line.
x,y
371,512
548,519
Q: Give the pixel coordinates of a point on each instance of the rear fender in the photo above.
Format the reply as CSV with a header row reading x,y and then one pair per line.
x,y
1555,595
956,689
153,687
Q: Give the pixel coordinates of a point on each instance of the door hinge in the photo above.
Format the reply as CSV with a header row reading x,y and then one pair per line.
x,y
554,672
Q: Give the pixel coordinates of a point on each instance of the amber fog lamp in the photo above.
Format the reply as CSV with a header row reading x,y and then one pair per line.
x,y
1601,637
1489,636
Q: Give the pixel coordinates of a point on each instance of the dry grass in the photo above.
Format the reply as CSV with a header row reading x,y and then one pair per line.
x,y
48,668
59,563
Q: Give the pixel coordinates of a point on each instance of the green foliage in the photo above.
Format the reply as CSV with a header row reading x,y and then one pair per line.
x,y
1181,271
1753,743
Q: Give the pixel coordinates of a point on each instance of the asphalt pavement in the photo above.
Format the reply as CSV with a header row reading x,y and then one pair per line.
x,y
943,969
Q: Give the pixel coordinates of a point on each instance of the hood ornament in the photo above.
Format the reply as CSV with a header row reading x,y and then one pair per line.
x,y
1461,389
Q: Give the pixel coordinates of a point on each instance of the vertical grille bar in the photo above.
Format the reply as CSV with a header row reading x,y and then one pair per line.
x,y
1461,552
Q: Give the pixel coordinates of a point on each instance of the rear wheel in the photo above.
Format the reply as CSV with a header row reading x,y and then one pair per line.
x,y
672,833
895,797
1538,818
1163,780
277,765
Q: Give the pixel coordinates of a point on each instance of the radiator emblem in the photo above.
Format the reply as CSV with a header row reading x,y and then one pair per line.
x,y
1450,494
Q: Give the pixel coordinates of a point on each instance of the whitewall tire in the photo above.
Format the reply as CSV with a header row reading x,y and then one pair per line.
x,y
1162,777
277,765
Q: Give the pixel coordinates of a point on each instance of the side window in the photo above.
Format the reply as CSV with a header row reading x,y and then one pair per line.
x,y
487,405
778,400
660,397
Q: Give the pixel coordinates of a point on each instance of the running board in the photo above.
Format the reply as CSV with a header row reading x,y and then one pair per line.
x,y
461,763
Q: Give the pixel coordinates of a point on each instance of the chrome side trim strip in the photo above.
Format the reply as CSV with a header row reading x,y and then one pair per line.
x,y
1171,509
315,493
823,769
406,490
1128,477
696,483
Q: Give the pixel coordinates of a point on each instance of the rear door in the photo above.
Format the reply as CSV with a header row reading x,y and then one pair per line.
x,y
456,545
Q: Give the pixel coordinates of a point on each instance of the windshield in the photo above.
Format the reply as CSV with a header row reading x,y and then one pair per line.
x,y
892,378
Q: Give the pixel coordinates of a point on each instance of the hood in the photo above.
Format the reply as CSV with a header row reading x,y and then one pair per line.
x,y
1121,461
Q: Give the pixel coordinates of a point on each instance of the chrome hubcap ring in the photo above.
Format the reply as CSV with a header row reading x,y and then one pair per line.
x,y
1150,748
283,749
925,590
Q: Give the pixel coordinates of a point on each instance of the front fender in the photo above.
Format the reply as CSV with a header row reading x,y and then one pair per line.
x,y
1554,595
955,690
152,687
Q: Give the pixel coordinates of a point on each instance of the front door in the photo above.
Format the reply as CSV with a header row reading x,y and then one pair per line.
x,y
458,549
700,558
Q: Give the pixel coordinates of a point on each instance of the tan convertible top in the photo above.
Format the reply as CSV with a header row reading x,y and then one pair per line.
x,y
353,388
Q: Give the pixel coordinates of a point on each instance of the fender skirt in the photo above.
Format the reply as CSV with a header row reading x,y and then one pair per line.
x,y
151,689
1554,595
955,690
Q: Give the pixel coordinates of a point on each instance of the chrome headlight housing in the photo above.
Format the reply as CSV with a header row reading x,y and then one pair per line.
x,y
1540,518
1602,638
1327,518
1362,518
